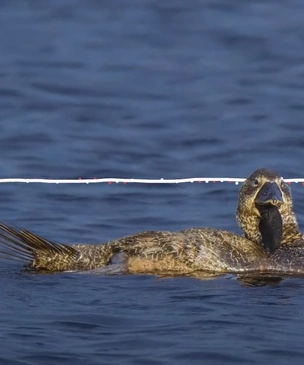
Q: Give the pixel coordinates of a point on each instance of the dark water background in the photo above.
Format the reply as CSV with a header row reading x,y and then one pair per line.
x,y
146,88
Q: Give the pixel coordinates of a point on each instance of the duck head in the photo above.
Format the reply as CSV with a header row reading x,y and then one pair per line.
x,y
265,210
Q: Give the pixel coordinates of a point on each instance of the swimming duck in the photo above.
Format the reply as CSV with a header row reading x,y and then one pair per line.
x,y
264,213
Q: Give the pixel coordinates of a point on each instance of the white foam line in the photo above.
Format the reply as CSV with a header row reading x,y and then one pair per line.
x,y
133,180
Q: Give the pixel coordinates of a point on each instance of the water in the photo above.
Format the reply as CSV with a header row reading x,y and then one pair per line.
x,y
146,89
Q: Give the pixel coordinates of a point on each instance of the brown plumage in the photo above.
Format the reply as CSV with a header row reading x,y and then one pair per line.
x,y
188,251
157,252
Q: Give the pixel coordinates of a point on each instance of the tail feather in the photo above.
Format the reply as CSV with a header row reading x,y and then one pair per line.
x,y
9,256
12,256
41,244
12,247
22,245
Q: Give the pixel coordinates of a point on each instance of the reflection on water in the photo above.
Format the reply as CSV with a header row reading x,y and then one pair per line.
x,y
260,280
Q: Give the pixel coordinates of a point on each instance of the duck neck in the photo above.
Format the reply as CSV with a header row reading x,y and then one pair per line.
x,y
250,228
291,232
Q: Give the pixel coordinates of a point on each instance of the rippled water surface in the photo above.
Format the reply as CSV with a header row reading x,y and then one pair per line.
x,y
146,89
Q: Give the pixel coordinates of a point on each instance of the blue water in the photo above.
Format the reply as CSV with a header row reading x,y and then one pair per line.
x,y
146,89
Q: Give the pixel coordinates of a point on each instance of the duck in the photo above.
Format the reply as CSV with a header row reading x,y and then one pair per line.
x,y
271,242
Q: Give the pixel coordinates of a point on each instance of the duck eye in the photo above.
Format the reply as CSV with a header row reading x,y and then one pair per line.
x,y
256,182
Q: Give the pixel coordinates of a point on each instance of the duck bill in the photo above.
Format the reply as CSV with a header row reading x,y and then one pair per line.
x,y
269,194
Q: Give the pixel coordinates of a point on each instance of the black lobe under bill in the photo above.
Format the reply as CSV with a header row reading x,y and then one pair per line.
x,y
271,227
